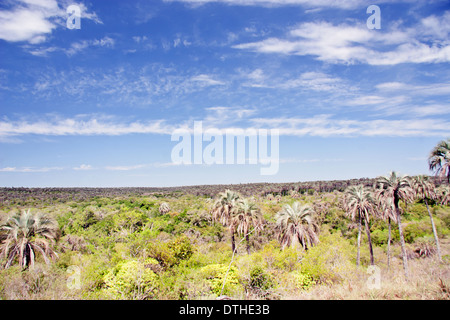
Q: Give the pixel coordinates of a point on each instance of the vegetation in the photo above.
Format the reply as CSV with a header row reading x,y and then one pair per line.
x,y
255,241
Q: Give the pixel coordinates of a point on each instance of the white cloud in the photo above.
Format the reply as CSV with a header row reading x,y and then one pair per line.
x,y
33,21
125,168
342,4
219,115
349,44
83,167
316,81
432,89
325,126
77,47
206,80
81,126
30,169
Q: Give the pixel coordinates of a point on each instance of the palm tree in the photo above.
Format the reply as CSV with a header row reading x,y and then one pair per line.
x,y
164,208
439,159
246,215
359,203
222,210
296,225
397,188
386,211
25,234
424,189
444,194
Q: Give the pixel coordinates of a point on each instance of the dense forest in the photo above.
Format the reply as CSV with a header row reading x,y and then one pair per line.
x,y
382,238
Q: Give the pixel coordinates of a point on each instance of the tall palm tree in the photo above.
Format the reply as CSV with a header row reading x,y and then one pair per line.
x,y
246,216
222,211
297,225
439,159
424,189
386,211
24,235
397,188
359,205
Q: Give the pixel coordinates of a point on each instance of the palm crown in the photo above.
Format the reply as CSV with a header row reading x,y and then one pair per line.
x,y
297,225
439,159
25,234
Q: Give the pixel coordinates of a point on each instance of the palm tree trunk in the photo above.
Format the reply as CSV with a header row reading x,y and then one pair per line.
x,y
438,248
402,241
247,239
389,244
233,246
359,242
366,222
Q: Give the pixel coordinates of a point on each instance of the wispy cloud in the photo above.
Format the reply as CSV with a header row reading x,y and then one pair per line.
x,y
81,125
323,125
75,47
83,167
342,4
426,42
326,126
125,168
30,169
206,80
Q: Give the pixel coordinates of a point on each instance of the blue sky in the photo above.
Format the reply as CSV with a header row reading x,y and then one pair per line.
x,y
96,106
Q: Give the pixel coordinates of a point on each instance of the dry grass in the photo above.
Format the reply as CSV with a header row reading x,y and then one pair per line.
x,y
428,279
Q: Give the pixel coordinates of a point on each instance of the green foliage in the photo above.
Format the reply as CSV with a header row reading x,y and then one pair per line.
x,y
330,260
417,211
125,249
215,276
260,279
131,220
131,279
181,248
422,228
169,254
303,281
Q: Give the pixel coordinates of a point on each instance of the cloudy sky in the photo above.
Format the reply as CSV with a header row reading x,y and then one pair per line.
x,y
96,106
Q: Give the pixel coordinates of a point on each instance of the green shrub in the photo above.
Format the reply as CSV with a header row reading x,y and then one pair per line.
x,y
181,248
215,277
422,228
131,279
131,220
330,260
260,279
380,237
417,211
303,281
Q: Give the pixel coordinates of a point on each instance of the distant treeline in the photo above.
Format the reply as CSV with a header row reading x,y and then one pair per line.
x,y
8,195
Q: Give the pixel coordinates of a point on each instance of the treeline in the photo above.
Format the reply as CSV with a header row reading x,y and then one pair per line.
x,y
18,195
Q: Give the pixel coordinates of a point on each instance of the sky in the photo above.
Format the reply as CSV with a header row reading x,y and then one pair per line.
x,y
97,104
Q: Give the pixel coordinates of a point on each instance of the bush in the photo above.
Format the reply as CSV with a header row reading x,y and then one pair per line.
x,y
303,281
260,279
131,279
215,277
422,228
181,248
330,260
171,253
